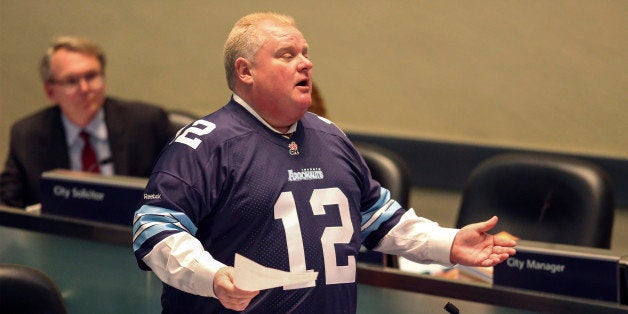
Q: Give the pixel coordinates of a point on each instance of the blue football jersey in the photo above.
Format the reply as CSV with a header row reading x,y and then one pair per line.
x,y
297,204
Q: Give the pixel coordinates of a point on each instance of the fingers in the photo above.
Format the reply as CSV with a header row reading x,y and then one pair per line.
x,y
236,295
228,294
238,300
503,247
504,250
483,226
501,241
494,259
488,225
498,255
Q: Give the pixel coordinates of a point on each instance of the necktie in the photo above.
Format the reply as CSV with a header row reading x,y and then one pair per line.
x,y
88,155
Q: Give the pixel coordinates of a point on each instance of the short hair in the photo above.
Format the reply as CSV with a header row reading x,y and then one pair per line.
x,y
71,43
246,38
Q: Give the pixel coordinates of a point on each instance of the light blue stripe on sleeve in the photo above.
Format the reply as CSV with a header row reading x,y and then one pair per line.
x,y
385,208
387,214
159,219
384,196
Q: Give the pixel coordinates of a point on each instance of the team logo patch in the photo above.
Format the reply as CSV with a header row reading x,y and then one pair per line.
x,y
306,174
294,148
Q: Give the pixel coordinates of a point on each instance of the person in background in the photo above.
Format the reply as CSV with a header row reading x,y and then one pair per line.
x,y
84,129
318,104
265,179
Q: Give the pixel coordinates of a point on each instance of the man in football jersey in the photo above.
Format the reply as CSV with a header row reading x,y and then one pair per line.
x,y
265,179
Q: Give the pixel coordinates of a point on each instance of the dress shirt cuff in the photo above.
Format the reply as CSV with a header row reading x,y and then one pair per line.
x,y
419,239
204,275
180,261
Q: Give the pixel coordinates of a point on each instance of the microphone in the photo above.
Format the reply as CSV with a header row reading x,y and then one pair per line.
x,y
450,308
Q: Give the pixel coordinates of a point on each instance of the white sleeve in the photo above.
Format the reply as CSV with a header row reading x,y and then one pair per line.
x,y
419,239
181,262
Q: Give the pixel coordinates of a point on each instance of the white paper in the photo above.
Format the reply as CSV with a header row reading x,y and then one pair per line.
x,y
420,268
251,276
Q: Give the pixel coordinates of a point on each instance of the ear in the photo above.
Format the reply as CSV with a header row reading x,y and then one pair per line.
x,y
49,92
244,70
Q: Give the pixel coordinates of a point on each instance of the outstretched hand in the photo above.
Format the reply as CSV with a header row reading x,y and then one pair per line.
x,y
473,246
228,294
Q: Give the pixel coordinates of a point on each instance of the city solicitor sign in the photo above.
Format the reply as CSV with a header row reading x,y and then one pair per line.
x,y
108,199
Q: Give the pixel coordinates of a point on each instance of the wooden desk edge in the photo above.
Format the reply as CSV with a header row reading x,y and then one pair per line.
x,y
66,226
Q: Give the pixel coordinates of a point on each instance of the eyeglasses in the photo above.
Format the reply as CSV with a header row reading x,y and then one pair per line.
x,y
70,85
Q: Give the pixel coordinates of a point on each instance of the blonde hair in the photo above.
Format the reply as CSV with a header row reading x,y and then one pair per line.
x,y
246,38
71,43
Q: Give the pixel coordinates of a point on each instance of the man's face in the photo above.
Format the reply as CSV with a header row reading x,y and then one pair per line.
x,y
282,75
77,85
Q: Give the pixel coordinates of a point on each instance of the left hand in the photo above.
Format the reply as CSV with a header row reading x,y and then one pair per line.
x,y
472,246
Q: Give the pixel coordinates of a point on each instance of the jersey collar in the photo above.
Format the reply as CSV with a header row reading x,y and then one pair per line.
x,y
248,108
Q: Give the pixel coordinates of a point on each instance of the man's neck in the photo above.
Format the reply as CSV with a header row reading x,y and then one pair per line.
x,y
269,124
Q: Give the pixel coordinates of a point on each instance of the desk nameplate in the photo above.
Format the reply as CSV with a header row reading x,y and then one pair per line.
x,y
589,273
108,199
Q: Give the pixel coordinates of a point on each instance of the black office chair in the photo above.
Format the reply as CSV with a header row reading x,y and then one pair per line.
x,y
541,198
389,169
392,173
27,290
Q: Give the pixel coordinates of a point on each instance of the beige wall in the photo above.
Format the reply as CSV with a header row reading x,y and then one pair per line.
x,y
549,75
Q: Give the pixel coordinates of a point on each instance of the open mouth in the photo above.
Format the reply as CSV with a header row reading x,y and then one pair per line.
x,y
303,83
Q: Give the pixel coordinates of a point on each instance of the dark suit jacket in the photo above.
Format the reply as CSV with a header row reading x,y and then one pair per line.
x,y
137,133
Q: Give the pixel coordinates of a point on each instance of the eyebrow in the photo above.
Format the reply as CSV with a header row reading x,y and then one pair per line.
x,y
290,48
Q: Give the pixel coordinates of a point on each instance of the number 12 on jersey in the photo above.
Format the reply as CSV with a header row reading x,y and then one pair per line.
x,y
285,210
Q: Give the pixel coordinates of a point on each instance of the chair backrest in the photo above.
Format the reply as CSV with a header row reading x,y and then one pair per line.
x,y
389,169
541,198
27,290
392,173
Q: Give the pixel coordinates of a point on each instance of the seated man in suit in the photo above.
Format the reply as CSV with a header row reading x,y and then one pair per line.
x,y
84,130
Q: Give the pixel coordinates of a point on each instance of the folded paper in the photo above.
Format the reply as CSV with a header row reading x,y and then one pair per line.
x,y
251,276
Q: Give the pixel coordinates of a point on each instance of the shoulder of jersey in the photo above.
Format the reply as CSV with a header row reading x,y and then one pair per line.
x,y
319,123
213,129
